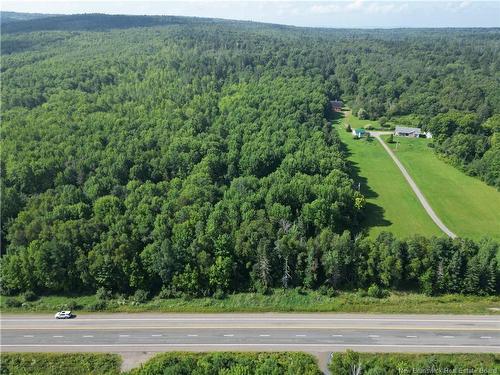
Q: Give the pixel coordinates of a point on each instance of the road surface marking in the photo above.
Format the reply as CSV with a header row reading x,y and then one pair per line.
x,y
300,335
28,336
486,337
373,336
155,335
412,337
448,337
264,335
356,328
228,335
88,336
57,336
124,335
278,319
192,335
494,348
337,335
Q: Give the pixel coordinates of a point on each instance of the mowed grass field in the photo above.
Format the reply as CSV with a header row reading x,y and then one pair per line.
x,y
391,204
355,122
467,206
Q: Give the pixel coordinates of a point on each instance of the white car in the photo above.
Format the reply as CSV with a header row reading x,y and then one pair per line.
x,y
63,315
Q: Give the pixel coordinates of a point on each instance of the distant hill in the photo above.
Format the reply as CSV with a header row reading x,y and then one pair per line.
x,y
87,22
8,17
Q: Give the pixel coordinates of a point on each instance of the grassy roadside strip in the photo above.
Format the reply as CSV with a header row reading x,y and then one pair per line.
x,y
60,363
399,363
292,300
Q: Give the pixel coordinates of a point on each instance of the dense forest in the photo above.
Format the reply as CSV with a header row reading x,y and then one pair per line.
x,y
191,157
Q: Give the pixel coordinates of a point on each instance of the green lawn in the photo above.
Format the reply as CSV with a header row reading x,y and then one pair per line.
x,y
291,300
355,122
467,206
391,204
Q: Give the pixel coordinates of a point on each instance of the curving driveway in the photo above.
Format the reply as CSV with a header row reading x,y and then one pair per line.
x,y
414,186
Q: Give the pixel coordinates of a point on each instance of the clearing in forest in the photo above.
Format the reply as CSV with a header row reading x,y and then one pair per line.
x,y
391,204
466,205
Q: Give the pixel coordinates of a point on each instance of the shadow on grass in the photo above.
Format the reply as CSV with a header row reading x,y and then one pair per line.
x,y
373,215
336,117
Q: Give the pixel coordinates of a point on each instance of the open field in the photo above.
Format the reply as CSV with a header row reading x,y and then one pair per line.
x,y
392,205
355,122
466,205
280,300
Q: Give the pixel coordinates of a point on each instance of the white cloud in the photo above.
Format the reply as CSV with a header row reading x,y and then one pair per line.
x,y
366,7
464,4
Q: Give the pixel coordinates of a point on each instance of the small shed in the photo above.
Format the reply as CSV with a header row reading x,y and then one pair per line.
x,y
359,132
336,105
408,132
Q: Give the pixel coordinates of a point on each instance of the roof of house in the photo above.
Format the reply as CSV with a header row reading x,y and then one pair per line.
x,y
359,130
403,129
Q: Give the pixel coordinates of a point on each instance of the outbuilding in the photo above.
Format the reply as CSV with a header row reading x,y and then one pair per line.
x,y
336,105
359,132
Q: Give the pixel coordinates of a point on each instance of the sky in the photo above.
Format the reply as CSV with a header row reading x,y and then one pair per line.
x,y
344,14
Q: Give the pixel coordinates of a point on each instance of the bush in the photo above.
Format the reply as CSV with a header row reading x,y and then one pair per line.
x,y
362,293
12,302
168,293
219,294
390,139
98,306
71,305
230,363
399,363
383,121
140,296
301,291
375,291
369,127
103,294
29,296
362,114
348,128
326,290
58,363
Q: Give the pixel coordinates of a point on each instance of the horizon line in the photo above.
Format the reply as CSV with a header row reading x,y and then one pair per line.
x,y
393,27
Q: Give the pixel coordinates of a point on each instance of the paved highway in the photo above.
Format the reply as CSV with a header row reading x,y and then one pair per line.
x,y
255,332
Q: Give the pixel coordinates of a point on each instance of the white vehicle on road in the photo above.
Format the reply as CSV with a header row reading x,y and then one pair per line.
x,y
63,315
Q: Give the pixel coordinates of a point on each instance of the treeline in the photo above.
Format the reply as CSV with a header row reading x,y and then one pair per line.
x,y
469,143
327,261
195,158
